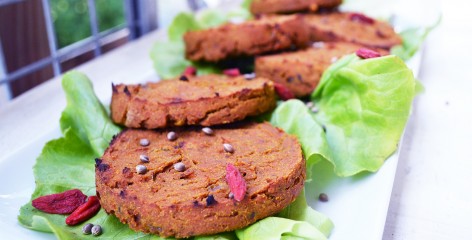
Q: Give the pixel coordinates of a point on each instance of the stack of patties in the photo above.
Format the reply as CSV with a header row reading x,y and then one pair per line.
x,y
319,32
189,163
187,166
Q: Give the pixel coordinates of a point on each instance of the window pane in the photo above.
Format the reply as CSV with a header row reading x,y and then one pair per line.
x,y
71,21
110,13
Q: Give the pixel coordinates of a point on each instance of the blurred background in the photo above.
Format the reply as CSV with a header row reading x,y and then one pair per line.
x,y
40,39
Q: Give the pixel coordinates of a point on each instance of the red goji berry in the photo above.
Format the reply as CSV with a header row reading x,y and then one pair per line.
x,y
190,71
359,17
236,182
232,72
366,53
60,203
84,212
283,92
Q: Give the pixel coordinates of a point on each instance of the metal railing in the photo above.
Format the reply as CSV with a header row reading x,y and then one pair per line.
x,y
141,17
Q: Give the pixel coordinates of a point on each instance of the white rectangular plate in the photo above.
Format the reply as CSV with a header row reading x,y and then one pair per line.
x,y
357,205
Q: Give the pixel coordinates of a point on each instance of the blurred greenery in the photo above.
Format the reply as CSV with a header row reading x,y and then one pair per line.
x,y
72,22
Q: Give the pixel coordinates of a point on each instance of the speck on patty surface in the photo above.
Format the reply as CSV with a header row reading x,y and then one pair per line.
x,y
204,100
196,201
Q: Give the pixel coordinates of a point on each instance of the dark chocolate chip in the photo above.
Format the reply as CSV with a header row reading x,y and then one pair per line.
x,y
179,145
103,167
137,218
290,79
217,94
126,91
252,215
299,77
183,78
211,200
122,193
113,88
195,203
98,161
113,139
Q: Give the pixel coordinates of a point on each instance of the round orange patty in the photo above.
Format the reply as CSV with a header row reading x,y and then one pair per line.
x,y
301,71
195,200
290,6
253,37
204,100
351,27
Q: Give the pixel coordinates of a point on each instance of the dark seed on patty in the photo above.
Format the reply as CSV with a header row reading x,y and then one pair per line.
x,y
228,147
171,136
179,167
144,158
249,76
144,142
207,131
141,169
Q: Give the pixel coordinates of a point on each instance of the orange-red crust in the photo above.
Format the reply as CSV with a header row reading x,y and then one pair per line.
x,y
204,100
290,6
253,37
166,202
339,26
301,71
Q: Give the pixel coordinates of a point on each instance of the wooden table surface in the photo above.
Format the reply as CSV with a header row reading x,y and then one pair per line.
x,y
432,195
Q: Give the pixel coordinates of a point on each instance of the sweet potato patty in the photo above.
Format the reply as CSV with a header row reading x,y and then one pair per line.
x,y
267,34
351,27
301,71
195,200
204,100
289,6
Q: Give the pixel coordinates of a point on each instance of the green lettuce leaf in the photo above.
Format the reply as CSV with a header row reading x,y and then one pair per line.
x,y
297,221
295,118
280,228
68,162
246,4
169,56
182,23
221,236
412,38
85,114
300,211
363,105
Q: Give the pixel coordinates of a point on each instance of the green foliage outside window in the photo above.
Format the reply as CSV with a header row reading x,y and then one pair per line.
x,y
72,22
